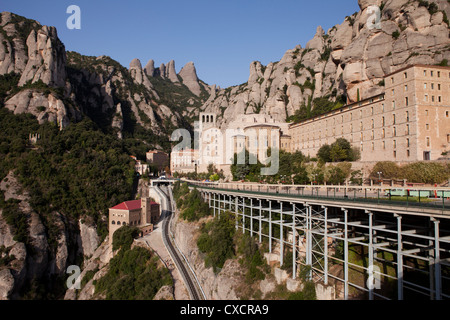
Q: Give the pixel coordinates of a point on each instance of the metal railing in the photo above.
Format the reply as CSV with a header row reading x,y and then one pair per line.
x,y
417,197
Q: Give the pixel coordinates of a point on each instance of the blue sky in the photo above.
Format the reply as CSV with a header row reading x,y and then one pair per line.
x,y
222,38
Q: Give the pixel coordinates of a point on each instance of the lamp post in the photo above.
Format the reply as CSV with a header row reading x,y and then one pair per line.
x,y
379,177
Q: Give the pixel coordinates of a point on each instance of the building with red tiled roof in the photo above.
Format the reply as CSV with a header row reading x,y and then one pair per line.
x,y
142,214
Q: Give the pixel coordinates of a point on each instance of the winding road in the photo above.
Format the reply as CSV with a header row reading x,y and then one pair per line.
x,y
179,260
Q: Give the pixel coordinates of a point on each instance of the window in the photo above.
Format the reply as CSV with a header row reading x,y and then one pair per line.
x,y
393,105
439,86
408,154
426,113
424,73
392,79
406,75
383,134
432,98
373,124
407,129
113,222
395,154
448,138
406,87
407,142
425,85
432,86
426,98
439,99
446,114
373,135
373,146
406,101
432,73
384,145
407,116
393,91
395,132
428,141
427,126
393,118
439,74
394,143
383,121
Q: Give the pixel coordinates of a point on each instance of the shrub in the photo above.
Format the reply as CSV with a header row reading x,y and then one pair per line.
x,y
216,240
388,169
133,275
396,34
124,237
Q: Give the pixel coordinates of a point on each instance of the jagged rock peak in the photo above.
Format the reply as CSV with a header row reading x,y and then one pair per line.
x,y
317,42
189,75
150,68
189,72
255,72
135,64
162,70
171,74
363,4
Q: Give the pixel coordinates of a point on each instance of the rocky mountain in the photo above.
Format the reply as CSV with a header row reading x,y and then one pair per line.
x,y
343,64
41,233
59,86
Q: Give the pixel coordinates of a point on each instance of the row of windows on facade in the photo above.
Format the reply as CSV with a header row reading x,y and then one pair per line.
x,y
425,74
132,223
425,86
383,109
394,146
361,126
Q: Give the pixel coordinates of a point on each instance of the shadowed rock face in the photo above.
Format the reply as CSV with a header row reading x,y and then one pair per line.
x,y
189,75
171,74
349,58
39,56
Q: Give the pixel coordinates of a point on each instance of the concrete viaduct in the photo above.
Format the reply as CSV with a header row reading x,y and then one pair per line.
x,y
358,239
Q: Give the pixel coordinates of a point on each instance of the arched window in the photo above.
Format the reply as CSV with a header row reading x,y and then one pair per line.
x,y
124,223
118,223
113,222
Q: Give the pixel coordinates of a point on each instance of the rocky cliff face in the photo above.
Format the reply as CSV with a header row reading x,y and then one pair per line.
x,y
36,54
61,87
219,286
52,244
349,60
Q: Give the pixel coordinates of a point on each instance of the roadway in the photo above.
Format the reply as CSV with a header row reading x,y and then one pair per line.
x,y
348,196
177,257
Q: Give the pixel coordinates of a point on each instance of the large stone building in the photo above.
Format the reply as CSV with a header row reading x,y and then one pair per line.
x,y
142,214
158,158
408,122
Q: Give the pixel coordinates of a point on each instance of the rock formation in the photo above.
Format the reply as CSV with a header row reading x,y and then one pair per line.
x,y
349,58
189,76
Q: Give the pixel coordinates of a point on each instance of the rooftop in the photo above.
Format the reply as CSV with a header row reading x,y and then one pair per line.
x,y
131,205
128,205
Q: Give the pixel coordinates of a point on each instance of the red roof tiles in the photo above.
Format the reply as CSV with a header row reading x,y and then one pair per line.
x,y
128,205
